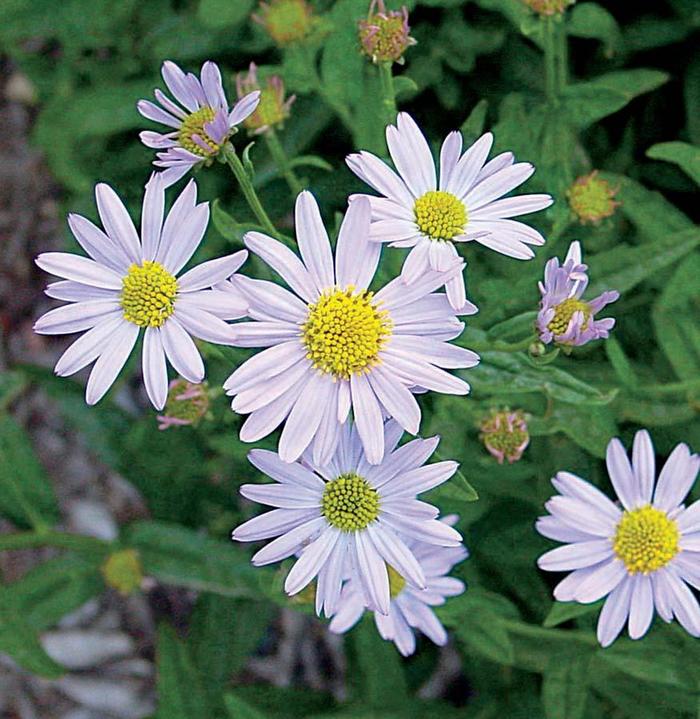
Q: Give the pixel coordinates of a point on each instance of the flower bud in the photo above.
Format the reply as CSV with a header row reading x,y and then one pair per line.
x,y
384,35
122,571
549,7
504,434
591,198
273,109
286,21
186,405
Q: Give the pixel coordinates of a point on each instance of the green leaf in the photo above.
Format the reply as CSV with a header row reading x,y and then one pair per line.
x,y
311,161
594,21
686,156
180,692
227,227
456,489
565,687
588,102
185,558
473,126
218,14
237,708
26,496
618,359
11,384
565,611
405,88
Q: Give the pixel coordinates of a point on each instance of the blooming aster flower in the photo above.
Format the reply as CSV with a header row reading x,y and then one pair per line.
x,y
200,119
129,284
640,554
419,210
334,346
410,607
348,516
564,318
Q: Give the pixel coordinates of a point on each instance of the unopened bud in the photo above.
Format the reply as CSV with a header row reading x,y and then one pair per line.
x,y
273,109
549,7
591,198
504,434
384,35
186,405
122,571
286,21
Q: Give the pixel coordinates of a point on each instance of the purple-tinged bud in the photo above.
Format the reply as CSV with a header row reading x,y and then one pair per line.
x,y
592,199
186,405
273,109
549,7
504,434
384,35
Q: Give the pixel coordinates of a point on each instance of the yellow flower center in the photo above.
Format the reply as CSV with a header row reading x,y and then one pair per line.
x,y
563,313
396,582
148,294
349,503
344,332
271,110
288,21
193,124
440,215
122,571
646,540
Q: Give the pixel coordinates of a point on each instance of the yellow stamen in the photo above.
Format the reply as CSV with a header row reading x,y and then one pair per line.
x,y
563,313
440,215
193,124
646,540
148,294
349,503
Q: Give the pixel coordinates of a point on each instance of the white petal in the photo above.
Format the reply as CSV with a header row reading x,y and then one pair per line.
x,y
373,572
270,302
71,291
575,556
420,479
438,353
676,478
209,273
152,216
470,164
289,543
87,348
573,486
77,317
117,223
264,365
285,496
203,324
614,613
417,372
395,552
581,516
396,398
497,185
641,606
621,476
177,83
181,351
368,418
644,466
269,463
376,174
601,582
111,361
449,156
313,241
512,207
224,305
356,257
407,457
312,559
264,334
411,155
179,242
243,108
155,372
103,250
272,524
417,261
80,269
265,420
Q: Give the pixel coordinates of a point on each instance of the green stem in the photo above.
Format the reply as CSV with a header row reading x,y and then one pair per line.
x,y
63,540
550,61
282,161
663,389
500,346
388,92
561,48
234,162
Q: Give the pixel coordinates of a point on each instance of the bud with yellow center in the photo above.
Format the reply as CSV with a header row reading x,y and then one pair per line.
x,y
504,434
122,571
384,35
187,404
549,7
287,21
591,198
273,109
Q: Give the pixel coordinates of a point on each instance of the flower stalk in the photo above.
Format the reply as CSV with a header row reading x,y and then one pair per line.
x,y
282,161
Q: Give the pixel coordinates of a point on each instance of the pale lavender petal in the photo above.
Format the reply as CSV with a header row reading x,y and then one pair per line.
x,y
641,606
77,317
181,351
312,559
676,478
368,418
79,269
209,273
575,556
621,476
614,613
110,362
155,372
117,223
314,245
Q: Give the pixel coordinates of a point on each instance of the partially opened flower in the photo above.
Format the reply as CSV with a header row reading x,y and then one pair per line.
x,y
200,119
384,34
418,209
272,109
642,554
410,607
347,516
564,318
186,405
130,283
334,346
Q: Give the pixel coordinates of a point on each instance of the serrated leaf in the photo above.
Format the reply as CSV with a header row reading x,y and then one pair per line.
x,y
686,156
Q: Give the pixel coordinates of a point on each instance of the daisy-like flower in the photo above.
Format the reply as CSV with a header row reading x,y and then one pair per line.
x,y
128,284
419,210
640,554
409,608
348,516
334,346
564,318
200,119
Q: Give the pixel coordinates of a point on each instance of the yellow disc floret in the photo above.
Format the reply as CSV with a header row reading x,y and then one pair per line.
x,y
440,215
148,294
591,198
646,540
193,125
563,313
349,503
396,582
344,332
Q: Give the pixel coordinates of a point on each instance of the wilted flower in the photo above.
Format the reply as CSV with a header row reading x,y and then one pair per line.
x,y
272,109
286,21
333,346
347,516
187,403
410,608
201,128
430,213
639,554
504,434
131,284
122,571
549,7
384,35
564,318
591,198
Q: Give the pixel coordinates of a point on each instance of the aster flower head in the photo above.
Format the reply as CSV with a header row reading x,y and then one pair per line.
x,y
200,119
186,405
592,199
410,608
129,283
334,345
272,109
504,434
347,517
642,554
564,318
384,34
430,213
549,7
287,22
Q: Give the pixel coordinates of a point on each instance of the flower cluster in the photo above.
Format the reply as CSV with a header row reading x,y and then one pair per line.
x,y
340,364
